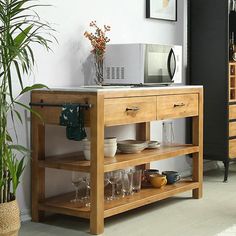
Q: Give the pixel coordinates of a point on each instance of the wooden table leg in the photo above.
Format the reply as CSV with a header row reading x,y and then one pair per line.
x,y
198,157
97,166
143,133
38,174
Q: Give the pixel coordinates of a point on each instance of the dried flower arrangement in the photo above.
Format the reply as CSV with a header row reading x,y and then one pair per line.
x,y
98,41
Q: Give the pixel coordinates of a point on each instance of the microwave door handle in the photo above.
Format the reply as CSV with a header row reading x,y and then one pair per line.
x,y
171,54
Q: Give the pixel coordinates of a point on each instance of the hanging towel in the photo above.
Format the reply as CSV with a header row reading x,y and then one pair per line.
x,y
72,116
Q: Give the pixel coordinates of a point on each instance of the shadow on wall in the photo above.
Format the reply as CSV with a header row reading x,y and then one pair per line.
x,y
76,60
88,70
72,60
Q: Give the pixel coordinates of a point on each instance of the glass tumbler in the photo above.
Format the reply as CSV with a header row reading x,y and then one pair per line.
x,y
167,133
137,176
127,183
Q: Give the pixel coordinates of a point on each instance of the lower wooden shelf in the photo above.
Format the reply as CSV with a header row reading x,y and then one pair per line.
x,y
61,204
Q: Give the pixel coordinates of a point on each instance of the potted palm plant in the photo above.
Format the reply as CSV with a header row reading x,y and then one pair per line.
x,y
20,28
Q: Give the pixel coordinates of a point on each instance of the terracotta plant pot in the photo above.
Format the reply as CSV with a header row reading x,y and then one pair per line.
x,y
9,219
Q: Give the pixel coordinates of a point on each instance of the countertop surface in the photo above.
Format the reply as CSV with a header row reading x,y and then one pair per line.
x,y
100,89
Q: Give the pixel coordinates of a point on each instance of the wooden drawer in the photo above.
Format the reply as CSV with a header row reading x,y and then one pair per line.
x,y
232,148
177,106
232,129
118,111
232,112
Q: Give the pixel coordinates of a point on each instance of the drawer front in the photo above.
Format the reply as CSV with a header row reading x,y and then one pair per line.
x,y
120,111
232,129
232,148
177,106
232,112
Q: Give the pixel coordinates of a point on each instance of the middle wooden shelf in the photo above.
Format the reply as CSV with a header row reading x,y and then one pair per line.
x,y
76,162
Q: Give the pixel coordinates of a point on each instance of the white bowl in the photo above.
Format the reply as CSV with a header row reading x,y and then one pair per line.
x,y
110,151
87,155
110,140
110,145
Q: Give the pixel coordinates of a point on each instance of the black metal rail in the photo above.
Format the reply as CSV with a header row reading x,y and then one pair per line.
x,y
44,104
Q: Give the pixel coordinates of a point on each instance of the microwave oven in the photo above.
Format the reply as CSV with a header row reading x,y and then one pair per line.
x,y
147,64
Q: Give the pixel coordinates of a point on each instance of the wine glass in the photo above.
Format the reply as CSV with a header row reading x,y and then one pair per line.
x,y
76,180
106,182
86,179
114,177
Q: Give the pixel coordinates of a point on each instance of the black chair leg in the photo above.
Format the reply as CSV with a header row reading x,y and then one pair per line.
x,y
226,165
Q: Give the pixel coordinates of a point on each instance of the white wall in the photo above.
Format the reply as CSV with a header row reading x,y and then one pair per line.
x,y
66,66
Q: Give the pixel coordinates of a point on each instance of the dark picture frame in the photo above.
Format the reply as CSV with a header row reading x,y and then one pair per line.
x,y
161,9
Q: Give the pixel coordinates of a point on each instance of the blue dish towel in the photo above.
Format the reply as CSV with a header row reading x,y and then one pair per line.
x,y
72,116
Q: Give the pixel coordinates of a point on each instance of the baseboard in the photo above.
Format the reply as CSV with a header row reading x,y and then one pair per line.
x,y
25,215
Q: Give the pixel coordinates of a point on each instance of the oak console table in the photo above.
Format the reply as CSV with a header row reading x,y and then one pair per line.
x,y
112,107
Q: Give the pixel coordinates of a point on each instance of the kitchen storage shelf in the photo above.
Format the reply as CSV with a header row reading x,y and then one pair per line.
x,y
61,204
76,161
232,82
112,107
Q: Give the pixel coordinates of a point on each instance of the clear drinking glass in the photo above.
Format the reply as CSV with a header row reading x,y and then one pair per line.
x,y
114,177
106,182
137,177
76,180
127,183
167,133
87,193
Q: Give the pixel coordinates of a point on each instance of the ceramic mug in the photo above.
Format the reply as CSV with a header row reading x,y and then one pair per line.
x,y
172,176
147,173
158,181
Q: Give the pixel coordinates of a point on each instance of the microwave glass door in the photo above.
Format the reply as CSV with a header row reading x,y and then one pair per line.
x,y
160,64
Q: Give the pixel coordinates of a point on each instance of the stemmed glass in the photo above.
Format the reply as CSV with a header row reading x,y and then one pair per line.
x,y
76,180
106,182
114,177
86,179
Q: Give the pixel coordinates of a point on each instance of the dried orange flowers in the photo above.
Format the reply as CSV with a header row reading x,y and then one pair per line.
x,y
98,40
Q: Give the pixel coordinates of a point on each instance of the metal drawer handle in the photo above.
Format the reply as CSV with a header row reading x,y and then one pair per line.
x,y
179,105
134,109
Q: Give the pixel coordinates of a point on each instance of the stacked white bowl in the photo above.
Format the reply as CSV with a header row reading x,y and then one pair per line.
x,y
110,147
132,146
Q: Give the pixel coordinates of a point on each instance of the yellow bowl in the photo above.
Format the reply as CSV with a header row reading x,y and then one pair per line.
x,y
157,180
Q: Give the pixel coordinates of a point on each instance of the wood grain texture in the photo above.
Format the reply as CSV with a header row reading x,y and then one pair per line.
x,y
106,110
37,173
232,129
232,148
177,106
61,204
232,82
198,140
97,166
143,132
232,112
147,196
126,160
121,160
51,114
142,92
70,161
116,112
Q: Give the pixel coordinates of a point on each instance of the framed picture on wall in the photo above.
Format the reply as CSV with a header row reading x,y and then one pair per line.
x,y
161,9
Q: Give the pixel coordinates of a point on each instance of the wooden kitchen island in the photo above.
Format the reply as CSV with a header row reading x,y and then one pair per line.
x,y
112,107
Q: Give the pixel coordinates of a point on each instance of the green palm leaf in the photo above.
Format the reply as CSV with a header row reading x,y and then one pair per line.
x,y
20,29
